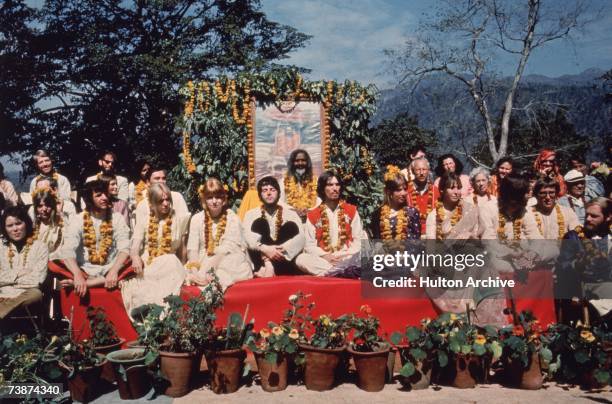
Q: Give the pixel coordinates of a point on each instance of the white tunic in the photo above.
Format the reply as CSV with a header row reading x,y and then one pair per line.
x,y
63,186
22,275
178,204
233,265
73,243
550,225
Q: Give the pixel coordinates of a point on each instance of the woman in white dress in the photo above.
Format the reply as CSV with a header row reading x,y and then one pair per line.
x,y
157,252
23,262
50,220
215,240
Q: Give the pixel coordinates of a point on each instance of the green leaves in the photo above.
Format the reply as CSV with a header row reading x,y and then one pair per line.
x,y
408,369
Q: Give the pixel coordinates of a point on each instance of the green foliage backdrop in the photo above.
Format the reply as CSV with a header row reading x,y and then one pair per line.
x,y
219,145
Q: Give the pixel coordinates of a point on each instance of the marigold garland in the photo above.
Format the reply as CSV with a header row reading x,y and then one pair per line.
x,y
277,223
97,256
154,247
140,190
560,221
300,195
517,224
430,200
388,232
457,214
325,226
26,251
209,244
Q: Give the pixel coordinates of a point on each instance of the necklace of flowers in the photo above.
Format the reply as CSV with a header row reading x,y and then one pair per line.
x,y
590,251
140,188
277,223
210,247
154,247
457,213
97,257
517,224
55,176
342,237
26,251
430,200
401,226
300,195
560,221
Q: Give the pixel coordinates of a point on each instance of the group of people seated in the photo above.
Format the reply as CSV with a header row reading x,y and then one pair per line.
x,y
141,238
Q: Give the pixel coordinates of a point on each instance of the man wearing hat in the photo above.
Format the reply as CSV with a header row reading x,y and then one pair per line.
x,y
575,197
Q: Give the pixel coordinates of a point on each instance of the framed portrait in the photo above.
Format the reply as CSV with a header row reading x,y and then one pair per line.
x,y
283,127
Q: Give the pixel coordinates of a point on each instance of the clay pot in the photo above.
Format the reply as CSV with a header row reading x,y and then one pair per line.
x,y
273,375
130,372
371,368
421,378
321,365
225,369
178,369
135,344
82,385
466,369
107,371
529,378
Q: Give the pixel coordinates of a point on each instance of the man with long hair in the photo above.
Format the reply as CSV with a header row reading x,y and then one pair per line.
x,y
299,186
107,161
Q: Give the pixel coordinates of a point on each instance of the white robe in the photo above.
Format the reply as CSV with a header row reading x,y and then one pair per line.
x,y
550,226
234,265
165,274
22,276
312,261
73,243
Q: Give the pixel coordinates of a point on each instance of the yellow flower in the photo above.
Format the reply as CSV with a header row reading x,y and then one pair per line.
x,y
277,331
453,317
587,336
480,339
325,320
294,334
333,335
264,332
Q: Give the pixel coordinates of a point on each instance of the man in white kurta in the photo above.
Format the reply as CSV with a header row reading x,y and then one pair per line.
x,y
76,254
44,166
272,248
107,162
334,232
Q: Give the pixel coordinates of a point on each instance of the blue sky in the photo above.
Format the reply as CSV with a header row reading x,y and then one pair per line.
x,y
349,38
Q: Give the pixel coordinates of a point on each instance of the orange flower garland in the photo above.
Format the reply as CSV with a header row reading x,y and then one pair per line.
x,y
300,195
457,213
343,237
400,232
140,190
517,224
430,200
277,223
26,251
209,244
560,221
154,247
97,256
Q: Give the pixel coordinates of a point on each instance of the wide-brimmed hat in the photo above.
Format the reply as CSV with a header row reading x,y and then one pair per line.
x,y
573,176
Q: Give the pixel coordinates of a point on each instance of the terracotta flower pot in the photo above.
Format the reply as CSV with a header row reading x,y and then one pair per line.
x,y
178,369
135,344
107,371
529,378
130,372
467,368
83,384
421,378
273,375
225,369
371,368
321,365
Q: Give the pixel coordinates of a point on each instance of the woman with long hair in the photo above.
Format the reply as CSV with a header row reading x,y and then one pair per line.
x,y
448,163
23,260
215,244
157,252
395,220
503,167
50,220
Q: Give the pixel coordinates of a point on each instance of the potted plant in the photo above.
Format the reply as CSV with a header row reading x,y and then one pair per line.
x,y
324,350
581,353
465,346
131,371
225,354
370,352
104,337
416,348
275,346
525,348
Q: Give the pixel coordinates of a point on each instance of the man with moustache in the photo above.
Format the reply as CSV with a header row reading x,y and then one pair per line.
x,y
333,231
552,219
422,194
273,234
107,162
299,186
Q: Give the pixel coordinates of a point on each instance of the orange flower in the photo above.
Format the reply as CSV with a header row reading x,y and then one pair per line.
x,y
264,332
366,309
518,331
294,334
480,339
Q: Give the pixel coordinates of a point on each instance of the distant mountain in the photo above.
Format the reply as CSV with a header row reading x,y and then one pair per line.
x,y
442,104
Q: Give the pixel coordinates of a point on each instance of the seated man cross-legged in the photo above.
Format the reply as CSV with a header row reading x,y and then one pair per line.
x,y
96,245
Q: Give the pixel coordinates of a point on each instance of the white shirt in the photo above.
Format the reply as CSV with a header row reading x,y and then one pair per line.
x,y
23,274
63,185
178,204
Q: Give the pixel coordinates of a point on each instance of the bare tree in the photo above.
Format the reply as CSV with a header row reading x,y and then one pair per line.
x,y
466,39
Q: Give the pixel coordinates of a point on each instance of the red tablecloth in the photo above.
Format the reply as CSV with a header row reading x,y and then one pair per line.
x,y
268,299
